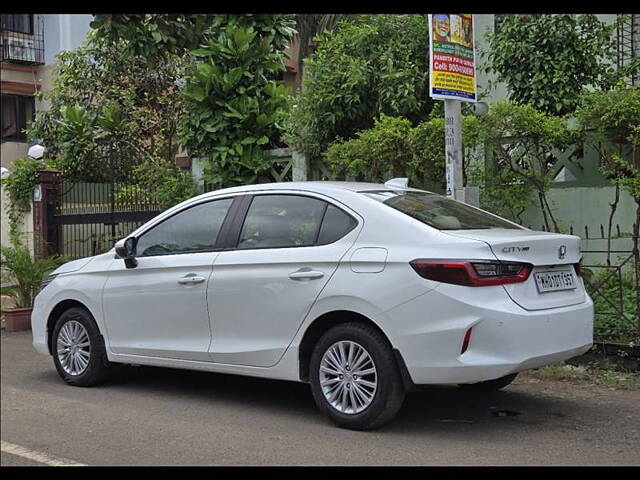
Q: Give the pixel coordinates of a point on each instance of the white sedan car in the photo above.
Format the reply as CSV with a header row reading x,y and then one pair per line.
x,y
361,290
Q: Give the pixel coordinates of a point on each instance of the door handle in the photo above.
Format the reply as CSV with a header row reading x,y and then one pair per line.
x,y
306,275
191,279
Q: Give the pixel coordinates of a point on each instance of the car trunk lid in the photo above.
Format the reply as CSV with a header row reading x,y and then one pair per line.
x,y
552,256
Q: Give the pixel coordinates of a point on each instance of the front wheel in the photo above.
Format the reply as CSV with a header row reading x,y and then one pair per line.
x,y
78,352
354,377
490,385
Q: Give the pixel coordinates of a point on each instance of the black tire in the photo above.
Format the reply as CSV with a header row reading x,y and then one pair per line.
x,y
389,393
98,367
490,385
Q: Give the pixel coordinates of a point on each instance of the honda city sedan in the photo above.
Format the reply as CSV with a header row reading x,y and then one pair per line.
x,y
361,290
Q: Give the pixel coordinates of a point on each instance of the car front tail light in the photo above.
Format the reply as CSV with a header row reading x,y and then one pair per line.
x,y
472,273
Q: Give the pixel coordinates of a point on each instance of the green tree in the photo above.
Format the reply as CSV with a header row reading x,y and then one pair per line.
x,y
234,105
110,114
547,61
524,144
615,116
152,36
308,26
370,65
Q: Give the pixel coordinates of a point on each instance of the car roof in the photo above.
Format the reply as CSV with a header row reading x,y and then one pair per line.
x,y
312,186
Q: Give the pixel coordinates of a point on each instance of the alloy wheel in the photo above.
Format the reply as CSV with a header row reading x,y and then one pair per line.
x,y
74,348
348,377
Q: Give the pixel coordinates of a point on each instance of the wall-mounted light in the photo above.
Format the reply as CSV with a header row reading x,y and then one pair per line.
x,y
36,151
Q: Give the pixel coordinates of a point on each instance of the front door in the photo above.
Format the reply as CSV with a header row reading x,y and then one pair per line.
x,y
159,308
262,288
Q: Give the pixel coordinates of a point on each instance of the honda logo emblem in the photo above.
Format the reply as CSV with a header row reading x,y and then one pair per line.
x,y
562,251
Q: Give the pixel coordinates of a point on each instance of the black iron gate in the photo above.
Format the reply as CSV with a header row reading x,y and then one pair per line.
x,y
91,216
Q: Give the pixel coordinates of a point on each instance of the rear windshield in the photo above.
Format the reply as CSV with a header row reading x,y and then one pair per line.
x,y
438,211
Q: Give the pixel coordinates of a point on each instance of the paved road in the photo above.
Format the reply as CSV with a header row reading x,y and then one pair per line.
x,y
149,416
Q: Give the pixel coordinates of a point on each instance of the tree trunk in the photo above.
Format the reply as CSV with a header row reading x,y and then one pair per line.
x,y
614,206
543,210
553,219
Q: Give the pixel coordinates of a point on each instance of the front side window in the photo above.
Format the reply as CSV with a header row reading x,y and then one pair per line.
x,y
193,230
277,221
440,212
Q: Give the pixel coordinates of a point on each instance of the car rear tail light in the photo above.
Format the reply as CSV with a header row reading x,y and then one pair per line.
x,y
472,273
578,269
466,340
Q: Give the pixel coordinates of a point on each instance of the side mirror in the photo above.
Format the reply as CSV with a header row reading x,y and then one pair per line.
x,y
126,249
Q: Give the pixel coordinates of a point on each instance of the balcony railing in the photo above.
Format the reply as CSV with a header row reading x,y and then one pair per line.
x,y
628,42
22,39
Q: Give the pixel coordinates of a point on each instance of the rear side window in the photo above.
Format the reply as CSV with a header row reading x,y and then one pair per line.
x,y
335,225
440,212
277,221
192,230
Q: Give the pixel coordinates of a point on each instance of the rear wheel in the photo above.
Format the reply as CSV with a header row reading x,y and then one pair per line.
x,y
354,377
78,350
490,385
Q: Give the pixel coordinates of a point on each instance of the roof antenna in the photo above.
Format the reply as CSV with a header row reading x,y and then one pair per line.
x,y
398,183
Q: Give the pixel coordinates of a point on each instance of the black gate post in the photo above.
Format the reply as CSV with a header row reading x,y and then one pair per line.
x,y
47,197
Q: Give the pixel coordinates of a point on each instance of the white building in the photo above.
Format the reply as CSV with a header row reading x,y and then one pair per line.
x,y
28,46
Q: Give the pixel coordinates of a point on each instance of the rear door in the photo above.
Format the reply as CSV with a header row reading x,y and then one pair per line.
x,y
553,281
287,247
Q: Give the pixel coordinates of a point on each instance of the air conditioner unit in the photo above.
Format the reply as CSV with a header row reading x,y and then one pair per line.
x,y
20,49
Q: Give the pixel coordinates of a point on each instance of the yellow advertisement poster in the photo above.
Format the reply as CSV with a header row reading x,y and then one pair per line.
x,y
452,57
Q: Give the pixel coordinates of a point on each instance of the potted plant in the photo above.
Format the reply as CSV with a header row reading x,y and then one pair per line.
x,y
25,274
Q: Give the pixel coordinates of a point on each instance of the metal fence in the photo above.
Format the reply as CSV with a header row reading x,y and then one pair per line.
x,y
92,216
610,277
612,288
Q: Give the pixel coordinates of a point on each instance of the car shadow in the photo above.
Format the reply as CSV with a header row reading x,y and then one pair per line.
x,y
448,410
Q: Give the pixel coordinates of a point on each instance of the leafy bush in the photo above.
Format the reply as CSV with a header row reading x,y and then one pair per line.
x,y
380,152
234,107
393,148
371,65
615,115
609,293
19,186
20,268
611,114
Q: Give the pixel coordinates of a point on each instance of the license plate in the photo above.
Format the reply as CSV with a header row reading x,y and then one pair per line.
x,y
553,281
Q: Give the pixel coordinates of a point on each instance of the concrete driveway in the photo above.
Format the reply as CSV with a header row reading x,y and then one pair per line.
x,y
152,416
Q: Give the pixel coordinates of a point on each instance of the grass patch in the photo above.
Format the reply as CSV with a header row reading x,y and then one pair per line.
x,y
593,374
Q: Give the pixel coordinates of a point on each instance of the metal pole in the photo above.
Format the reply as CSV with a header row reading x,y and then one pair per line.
x,y
453,148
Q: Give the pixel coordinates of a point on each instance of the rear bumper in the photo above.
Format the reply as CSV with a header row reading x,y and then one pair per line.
x,y
428,332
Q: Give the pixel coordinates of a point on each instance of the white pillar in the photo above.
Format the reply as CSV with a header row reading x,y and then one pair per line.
x,y
453,148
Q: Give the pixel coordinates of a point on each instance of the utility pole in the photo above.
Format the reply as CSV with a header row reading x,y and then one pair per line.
x,y
452,78
453,148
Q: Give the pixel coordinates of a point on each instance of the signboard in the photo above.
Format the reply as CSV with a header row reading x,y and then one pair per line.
x,y
452,57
